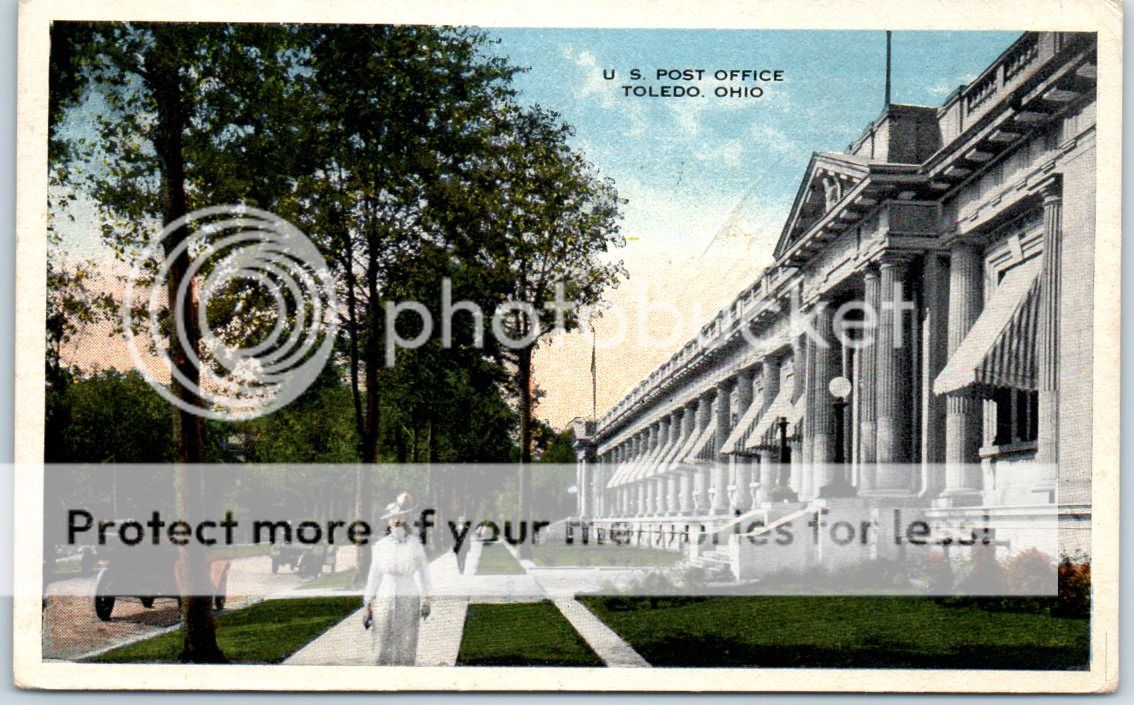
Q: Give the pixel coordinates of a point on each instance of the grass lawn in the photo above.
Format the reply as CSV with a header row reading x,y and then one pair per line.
x,y
495,559
267,632
841,632
339,580
522,634
610,555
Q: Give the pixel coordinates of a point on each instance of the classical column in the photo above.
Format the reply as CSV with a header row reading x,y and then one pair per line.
x,y
701,475
685,477
827,367
676,431
627,499
718,494
867,391
962,409
795,471
596,490
651,487
935,354
893,382
651,497
1047,335
740,496
808,441
643,438
659,492
764,479
583,486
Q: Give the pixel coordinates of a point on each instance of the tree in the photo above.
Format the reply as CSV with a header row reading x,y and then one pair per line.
x,y
557,220
184,105
398,110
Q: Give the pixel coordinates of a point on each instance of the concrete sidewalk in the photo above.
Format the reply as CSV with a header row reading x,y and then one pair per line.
x,y
348,643
439,641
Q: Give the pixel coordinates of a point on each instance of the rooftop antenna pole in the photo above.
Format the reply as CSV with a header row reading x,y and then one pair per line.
x,y
888,33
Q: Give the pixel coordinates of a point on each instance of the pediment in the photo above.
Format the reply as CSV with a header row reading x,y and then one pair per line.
x,y
828,179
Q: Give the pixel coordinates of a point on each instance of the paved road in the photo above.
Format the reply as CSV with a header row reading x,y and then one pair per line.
x,y
71,629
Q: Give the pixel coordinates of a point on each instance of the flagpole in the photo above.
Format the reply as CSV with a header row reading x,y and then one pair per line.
x,y
888,33
594,376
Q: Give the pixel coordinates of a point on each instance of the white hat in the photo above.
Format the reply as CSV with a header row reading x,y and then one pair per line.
x,y
399,507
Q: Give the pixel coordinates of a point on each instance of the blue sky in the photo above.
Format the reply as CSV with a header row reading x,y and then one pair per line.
x,y
709,181
674,158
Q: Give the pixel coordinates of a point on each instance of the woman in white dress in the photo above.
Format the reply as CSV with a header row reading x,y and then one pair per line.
x,y
397,596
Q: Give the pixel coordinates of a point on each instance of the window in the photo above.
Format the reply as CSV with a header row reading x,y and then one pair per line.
x,y
1017,415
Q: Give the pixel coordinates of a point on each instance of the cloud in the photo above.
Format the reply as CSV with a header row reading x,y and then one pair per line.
x,y
590,84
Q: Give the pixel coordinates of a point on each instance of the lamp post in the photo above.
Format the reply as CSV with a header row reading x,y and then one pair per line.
x,y
840,389
782,492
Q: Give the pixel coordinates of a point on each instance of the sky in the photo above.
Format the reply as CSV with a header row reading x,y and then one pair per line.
x,y
708,181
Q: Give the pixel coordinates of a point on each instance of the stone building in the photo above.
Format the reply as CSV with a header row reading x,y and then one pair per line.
x,y
962,238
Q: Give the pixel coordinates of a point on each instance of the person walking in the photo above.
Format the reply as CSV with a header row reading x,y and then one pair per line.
x,y
397,595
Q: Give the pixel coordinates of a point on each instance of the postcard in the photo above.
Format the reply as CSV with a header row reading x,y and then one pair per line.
x,y
568,346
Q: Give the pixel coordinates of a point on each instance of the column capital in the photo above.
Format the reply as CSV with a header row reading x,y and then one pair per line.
x,y
964,246
895,261
747,374
1050,189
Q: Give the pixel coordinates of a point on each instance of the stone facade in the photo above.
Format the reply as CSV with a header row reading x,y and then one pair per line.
x,y
968,229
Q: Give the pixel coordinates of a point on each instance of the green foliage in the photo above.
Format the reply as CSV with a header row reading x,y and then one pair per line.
x,y
316,428
402,152
114,417
524,634
267,632
842,632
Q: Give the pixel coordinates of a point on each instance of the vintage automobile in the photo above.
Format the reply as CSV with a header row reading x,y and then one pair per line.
x,y
308,561
148,574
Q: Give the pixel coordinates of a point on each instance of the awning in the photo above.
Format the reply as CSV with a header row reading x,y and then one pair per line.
x,y
765,434
636,469
625,473
1000,348
622,468
743,429
657,459
702,441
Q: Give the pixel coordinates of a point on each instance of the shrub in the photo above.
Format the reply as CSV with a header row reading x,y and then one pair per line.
x,y
1074,589
936,570
983,575
1030,572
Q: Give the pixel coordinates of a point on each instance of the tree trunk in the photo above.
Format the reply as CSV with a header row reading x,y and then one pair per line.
x,y
364,504
199,641
524,389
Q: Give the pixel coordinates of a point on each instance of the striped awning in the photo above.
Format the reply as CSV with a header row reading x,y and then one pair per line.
x,y
640,467
1000,349
656,461
619,474
743,428
765,434
702,441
